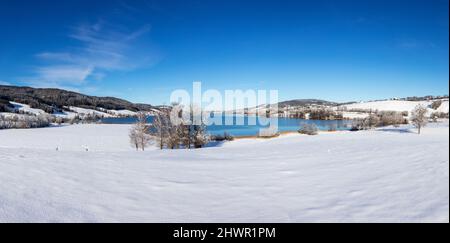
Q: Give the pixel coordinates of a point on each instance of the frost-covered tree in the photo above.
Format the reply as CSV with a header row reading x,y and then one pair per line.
x,y
308,129
24,121
419,117
197,136
58,120
200,137
172,130
388,118
160,128
372,121
436,104
139,133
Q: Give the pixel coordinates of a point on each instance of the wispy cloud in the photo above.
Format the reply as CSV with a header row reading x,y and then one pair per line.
x,y
4,83
103,47
70,74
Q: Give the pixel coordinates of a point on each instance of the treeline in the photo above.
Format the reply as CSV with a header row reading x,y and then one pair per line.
x,y
306,103
25,121
54,100
379,119
424,98
316,114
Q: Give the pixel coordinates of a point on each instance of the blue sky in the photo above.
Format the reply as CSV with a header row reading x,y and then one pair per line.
x,y
142,50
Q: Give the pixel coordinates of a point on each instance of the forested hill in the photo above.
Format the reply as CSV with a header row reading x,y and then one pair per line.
x,y
51,100
306,102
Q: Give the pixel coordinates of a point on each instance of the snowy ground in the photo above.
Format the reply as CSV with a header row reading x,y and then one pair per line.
x,y
392,105
396,105
391,174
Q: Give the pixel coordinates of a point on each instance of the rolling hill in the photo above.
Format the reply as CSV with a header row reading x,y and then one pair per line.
x,y
54,100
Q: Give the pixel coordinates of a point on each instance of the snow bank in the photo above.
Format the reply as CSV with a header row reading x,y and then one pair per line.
x,y
390,174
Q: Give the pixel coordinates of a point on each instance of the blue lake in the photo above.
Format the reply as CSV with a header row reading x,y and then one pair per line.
x,y
248,129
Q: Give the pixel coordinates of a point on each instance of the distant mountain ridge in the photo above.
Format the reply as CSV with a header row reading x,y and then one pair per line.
x,y
54,100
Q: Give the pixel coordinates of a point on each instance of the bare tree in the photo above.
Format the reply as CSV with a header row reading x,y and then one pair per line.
x,y
173,136
200,137
372,121
134,140
139,133
308,129
436,104
160,128
419,118
197,130
59,120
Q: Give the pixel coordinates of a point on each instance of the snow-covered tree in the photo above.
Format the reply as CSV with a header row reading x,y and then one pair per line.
x,y
160,128
171,130
139,133
308,129
419,117
199,136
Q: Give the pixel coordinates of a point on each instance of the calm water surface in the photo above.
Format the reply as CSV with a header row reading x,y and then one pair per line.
x,y
284,125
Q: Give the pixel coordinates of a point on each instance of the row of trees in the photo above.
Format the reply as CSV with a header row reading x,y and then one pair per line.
x,y
325,114
25,121
418,119
168,131
380,119
316,114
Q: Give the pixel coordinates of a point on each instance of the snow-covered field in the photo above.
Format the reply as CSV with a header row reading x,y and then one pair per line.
x,y
391,105
387,175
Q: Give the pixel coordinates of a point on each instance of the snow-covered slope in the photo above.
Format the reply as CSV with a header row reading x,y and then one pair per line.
x,y
103,113
354,115
65,114
83,111
388,105
27,109
122,112
73,111
444,107
391,174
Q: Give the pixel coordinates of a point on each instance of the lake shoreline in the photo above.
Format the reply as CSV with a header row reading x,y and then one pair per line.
x,y
280,134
